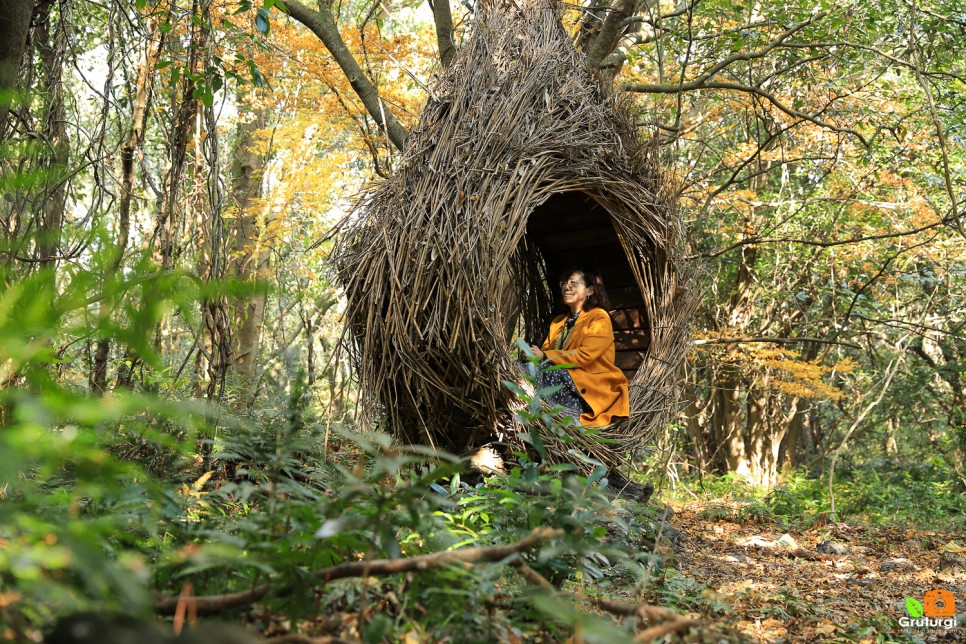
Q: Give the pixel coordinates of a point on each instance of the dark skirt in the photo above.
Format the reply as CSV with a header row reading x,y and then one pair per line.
x,y
566,397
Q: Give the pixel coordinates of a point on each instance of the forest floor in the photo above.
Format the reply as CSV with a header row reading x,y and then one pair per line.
x,y
751,580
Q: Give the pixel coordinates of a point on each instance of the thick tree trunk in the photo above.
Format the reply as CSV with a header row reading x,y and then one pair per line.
x,y
443,18
250,251
14,27
727,418
50,211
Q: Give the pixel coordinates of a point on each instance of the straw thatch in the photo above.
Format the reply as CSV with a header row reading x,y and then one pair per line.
x,y
442,263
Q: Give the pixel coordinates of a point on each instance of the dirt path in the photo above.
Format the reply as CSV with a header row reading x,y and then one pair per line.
x,y
765,585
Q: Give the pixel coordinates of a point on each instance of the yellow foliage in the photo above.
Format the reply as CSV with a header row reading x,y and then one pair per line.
x,y
777,368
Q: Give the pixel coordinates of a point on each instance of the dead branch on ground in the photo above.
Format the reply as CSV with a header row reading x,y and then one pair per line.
x,y
369,568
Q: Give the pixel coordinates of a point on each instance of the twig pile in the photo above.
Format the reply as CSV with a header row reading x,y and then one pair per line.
x,y
435,261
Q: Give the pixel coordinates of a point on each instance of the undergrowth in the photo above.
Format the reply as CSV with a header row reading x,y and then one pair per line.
x,y
877,492
105,506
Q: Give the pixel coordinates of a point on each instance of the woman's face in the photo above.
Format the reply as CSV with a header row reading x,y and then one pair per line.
x,y
575,291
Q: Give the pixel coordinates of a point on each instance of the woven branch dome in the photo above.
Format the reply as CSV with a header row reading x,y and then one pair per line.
x,y
522,164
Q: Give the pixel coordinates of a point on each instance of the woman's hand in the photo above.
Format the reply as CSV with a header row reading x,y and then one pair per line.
x,y
537,352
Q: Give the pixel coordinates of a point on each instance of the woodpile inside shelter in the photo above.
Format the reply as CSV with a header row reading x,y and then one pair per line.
x,y
523,164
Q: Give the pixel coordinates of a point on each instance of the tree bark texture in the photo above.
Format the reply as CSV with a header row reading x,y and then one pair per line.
x,y
250,252
14,27
443,18
49,217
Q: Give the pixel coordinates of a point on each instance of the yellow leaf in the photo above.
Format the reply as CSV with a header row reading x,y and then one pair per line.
x,y
952,546
826,629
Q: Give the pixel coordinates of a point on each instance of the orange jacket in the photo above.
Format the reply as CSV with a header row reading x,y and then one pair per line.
x,y
590,348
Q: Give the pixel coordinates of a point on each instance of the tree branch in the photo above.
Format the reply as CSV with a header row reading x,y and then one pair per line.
x,y
937,123
697,85
823,244
322,24
444,30
673,621
609,34
373,568
890,372
705,341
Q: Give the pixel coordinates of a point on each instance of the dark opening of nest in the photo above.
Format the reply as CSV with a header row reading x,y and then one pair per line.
x,y
571,228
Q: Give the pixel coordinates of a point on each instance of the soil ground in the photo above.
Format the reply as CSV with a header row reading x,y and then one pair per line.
x,y
751,580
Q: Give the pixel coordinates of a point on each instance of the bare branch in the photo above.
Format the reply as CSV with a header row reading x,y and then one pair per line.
x,y
825,244
609,34
672,621
696,85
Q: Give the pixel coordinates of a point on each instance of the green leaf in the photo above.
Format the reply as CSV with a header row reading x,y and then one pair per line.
x,y
914,606
377,630
597,474
262,20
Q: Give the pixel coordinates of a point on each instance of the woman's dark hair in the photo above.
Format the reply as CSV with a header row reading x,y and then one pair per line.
x,y
591,277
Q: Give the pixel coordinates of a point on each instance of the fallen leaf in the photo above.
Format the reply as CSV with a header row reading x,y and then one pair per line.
x,y
826,628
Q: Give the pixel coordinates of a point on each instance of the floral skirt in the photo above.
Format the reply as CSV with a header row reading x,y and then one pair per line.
x,y
566,396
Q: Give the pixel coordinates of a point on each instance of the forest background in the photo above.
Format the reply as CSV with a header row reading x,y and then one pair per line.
x,y
173,405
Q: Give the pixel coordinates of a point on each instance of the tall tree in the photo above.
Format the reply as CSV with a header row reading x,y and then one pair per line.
x,y
14,27
131,149
51,45
250,251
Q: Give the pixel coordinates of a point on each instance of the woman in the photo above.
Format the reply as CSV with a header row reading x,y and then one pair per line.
x,y
592,388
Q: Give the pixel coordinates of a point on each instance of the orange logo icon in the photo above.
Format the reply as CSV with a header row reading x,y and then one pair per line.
x,y
939,603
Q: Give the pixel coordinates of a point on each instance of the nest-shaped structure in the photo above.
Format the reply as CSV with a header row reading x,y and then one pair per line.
x,y
523,163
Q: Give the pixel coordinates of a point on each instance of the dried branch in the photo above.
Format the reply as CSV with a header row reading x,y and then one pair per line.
x,y
373,568
673,621
437,264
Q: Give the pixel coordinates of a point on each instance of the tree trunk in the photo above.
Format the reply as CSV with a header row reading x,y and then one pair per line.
x,y
728,420
132,147
184,107
249,248
50,211
14,27
443,18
